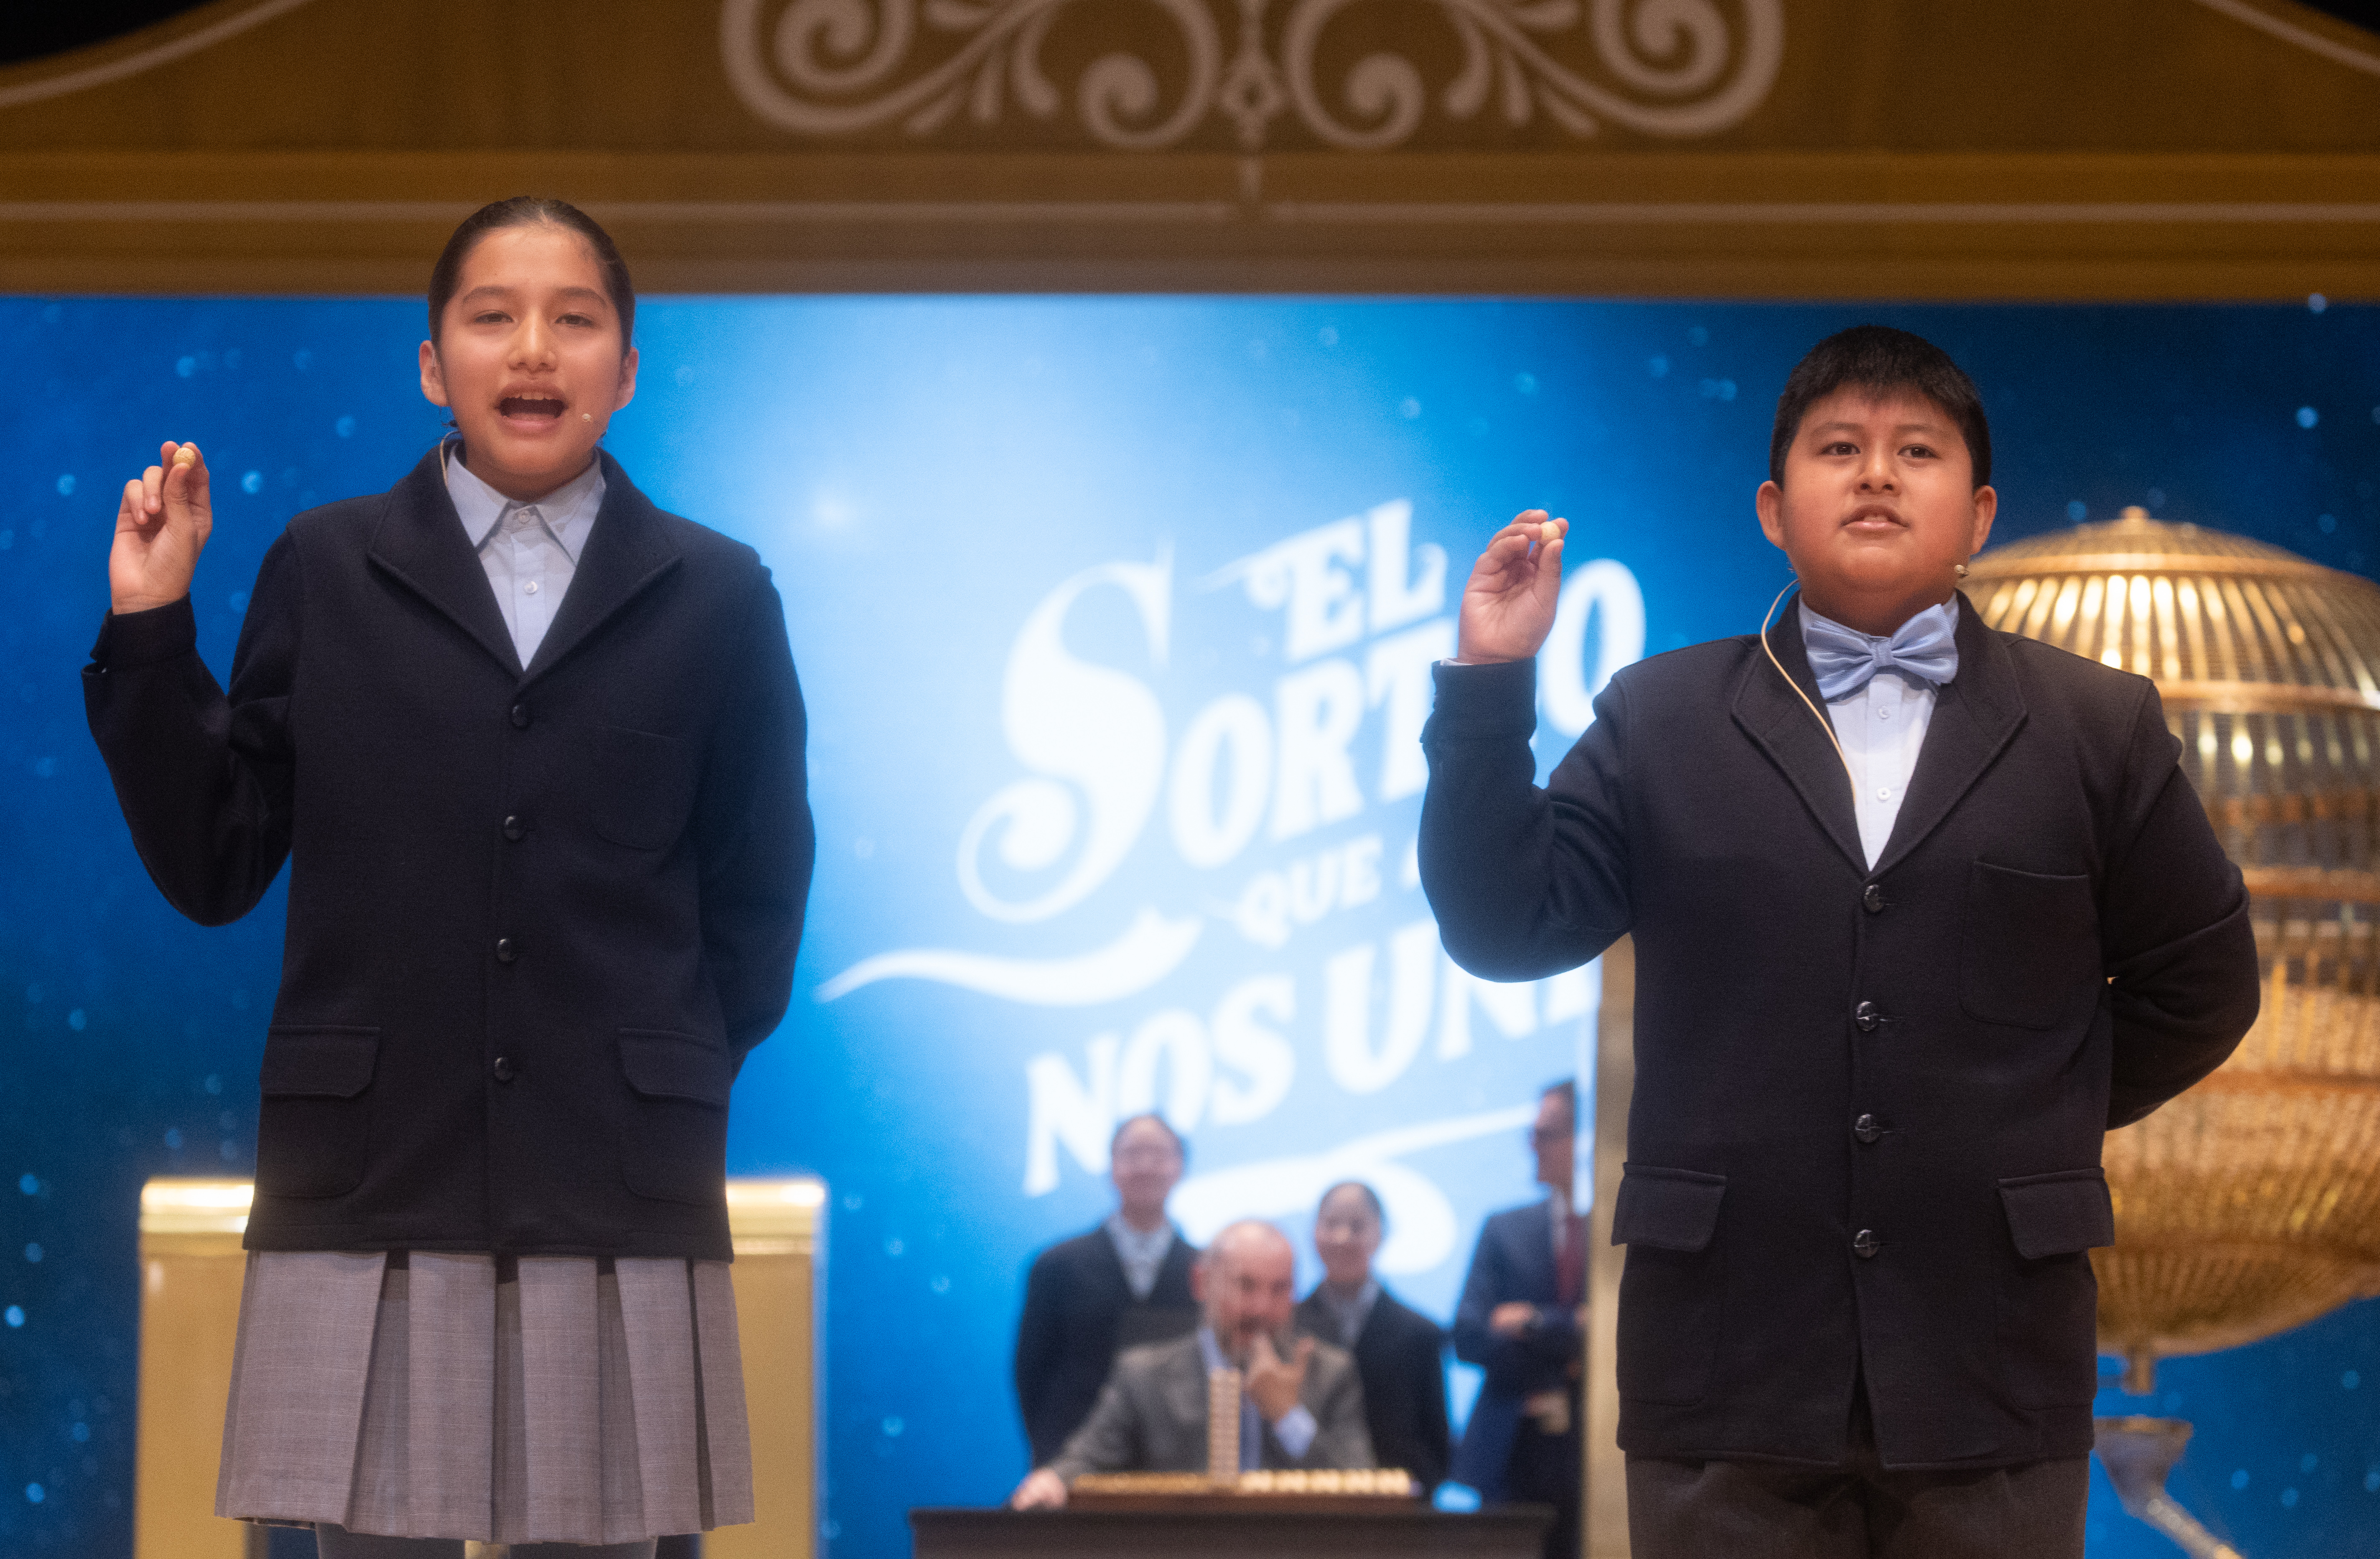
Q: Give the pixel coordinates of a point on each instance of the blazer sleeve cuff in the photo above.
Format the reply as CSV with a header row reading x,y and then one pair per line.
x,y
1484,702
139,639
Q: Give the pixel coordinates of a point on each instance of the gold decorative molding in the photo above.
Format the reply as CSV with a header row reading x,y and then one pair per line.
x,y
2143,148
831,69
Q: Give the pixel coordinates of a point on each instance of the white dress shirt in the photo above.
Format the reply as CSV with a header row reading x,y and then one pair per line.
x,y
529,550
1882,727
1142,1251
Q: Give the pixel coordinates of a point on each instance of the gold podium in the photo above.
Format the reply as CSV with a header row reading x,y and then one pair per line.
x,y
190,1266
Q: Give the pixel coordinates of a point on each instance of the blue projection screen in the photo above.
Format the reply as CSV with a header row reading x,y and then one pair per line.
x,y
1114,618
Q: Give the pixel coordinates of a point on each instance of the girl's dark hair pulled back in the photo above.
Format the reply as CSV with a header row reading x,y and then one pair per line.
x,y
521,210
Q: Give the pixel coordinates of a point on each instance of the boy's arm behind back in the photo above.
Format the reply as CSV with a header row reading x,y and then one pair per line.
x,y
2180,957
1524,882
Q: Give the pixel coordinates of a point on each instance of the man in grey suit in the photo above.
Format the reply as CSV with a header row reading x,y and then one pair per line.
x,y
1302,1405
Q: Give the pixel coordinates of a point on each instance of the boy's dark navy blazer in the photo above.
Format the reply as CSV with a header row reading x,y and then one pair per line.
x,y
1869,1104
537,915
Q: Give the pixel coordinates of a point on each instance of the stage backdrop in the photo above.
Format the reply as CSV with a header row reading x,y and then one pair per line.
x,y
1115,620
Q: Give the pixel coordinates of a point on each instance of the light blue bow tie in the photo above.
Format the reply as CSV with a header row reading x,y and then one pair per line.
x,y
1843,659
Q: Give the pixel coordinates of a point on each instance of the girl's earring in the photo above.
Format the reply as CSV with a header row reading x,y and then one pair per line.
x,y
1963,570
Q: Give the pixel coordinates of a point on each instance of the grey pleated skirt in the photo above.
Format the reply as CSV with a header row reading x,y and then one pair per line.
x,y
433,1395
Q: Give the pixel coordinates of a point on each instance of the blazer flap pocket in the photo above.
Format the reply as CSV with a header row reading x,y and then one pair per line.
x,y
319,1061
662,1065
2059,1214
1667,1209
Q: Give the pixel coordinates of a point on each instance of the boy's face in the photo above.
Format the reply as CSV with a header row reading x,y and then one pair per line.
x,y
1878,506
528,360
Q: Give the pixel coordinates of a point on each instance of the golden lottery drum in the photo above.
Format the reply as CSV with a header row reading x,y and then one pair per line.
x,y
2251,1203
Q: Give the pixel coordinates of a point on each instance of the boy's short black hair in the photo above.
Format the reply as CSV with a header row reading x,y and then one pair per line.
x,y
1877,356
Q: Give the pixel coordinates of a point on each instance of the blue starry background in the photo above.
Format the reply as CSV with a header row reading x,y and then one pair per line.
x,y
130,1039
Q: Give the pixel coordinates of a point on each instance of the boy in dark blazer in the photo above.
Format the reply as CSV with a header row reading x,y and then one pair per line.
x,y
1920,910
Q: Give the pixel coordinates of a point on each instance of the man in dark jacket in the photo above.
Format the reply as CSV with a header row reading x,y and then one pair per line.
x,y
1921,910
1519,1321
1125,1283
1399,1353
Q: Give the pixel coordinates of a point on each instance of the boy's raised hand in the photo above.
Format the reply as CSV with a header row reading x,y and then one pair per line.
x,y
1507,606
161,528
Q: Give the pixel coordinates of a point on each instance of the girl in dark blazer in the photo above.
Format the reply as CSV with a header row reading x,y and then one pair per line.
x,y
533,749
1399,1353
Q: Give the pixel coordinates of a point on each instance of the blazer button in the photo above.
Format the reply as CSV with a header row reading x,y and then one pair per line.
x,y
515,828
504,1069
1865,1128
505,951
1864,1244
1866,1016
520,717
1873,900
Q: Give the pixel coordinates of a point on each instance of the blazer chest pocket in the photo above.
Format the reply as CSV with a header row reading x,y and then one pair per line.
x,y
2029,955
314,1128
675,1147
1669,1291
2049,1306
640,788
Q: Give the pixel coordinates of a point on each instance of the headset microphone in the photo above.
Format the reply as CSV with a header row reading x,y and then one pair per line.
x,y
1824,724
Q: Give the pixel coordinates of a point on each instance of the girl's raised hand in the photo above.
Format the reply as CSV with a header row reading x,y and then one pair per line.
x,y
1507,606
161,528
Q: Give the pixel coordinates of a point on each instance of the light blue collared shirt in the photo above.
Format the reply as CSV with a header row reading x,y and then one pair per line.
x,y
1295,1429
529,550
1882,727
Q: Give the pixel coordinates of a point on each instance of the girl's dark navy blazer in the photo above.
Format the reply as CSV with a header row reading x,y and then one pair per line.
x,y
1869,1101
537,915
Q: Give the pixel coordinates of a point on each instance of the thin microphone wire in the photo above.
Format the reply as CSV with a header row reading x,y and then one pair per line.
x,y
1824,724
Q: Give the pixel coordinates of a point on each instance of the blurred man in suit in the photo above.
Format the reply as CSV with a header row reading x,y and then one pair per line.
x,y
1519,1321
1399,1353
1301,1405
1125,1282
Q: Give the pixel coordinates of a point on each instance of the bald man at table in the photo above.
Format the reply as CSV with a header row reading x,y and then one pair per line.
x,y
1302,1404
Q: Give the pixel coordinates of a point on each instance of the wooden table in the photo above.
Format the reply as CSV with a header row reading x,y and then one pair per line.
x,y
1244,1531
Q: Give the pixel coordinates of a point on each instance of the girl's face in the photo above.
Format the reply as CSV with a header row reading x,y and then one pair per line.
x,y
528,359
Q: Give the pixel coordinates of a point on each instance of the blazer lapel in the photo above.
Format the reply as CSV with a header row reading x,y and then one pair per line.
x,y
626,551
1801,745
420,544
1975,717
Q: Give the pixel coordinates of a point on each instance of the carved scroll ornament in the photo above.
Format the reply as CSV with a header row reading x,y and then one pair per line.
x,y
839,68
